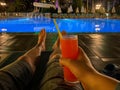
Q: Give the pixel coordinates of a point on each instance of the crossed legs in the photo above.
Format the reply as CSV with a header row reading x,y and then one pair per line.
x,y
31,56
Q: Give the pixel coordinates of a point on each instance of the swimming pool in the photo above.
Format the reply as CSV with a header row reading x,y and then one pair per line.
x,y
26,25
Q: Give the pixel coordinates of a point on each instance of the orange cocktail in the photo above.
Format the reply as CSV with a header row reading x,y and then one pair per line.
x,y
69,49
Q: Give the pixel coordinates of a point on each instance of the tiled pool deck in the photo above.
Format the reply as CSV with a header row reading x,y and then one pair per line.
x,y
100,48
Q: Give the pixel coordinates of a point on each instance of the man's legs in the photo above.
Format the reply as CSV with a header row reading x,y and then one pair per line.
x,y
17,75
53,77
31,56
56,48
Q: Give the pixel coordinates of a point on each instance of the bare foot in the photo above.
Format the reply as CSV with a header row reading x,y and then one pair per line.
x,y
57,43
41,39
56,52
31,56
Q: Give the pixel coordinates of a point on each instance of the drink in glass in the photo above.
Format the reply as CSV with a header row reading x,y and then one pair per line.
x,y
69,49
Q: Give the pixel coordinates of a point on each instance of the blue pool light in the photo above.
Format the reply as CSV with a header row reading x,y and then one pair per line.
x,y
26,25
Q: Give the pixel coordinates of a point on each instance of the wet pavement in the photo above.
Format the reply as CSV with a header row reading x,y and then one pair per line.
x,y
20,43
102,49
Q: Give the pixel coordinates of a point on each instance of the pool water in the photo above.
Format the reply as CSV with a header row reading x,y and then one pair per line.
x,y
26,25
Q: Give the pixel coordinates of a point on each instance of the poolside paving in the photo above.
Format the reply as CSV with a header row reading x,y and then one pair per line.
x,y
102,49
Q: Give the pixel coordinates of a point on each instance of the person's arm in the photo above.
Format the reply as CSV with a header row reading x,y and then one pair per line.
x,y
87,75
15,76
97,81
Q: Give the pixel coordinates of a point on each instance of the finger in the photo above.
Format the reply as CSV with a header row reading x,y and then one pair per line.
x,y
82,56
65,62
80,53
71,64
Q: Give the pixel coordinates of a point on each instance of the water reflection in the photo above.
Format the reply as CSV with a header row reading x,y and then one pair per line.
x,y
97,28
4,41
90,25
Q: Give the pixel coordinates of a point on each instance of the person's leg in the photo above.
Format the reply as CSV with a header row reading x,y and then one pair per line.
x,y
53,74
17,75
53,77
56,47
31,56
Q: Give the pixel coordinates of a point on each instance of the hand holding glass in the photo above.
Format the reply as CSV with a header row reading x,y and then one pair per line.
x,y
69,49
